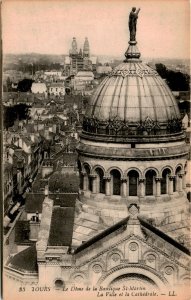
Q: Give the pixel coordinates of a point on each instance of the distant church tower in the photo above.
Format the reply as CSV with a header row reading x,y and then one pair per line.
x,y
76,58
86,54
74,49
86,49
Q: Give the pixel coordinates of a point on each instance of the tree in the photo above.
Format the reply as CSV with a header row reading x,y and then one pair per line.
x,y
162,70
9,84
18,111
177,81
25,85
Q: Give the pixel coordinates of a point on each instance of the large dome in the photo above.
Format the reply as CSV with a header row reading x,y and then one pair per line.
x,y
132,100
133,92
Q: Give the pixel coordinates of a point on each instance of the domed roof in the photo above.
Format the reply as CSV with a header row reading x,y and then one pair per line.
x,y
133,92
132,100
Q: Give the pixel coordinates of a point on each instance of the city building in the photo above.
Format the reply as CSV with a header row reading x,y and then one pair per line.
x,y
8,185
83,80
57,89
38,88
78,60
103,69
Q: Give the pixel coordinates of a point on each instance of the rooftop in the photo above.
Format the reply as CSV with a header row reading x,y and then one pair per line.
x,y
122,224
85,74
25,260
61,227
56,84
34,201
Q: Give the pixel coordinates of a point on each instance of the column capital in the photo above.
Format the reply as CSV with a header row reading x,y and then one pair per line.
x,y
158,178
180,175
124,179
93,175
172,177
107,178
183,173
83,173
141,179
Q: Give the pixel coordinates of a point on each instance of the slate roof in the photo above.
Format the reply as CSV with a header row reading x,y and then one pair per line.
x,y
34,201
25,260
56,84
21,227
7,166
85,74
61,228
69,158
101,235
164,236
122,224
66,183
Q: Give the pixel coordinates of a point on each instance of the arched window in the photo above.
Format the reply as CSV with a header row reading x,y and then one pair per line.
x,y
150,175
100,181
116,180
133,182
164,181
59,284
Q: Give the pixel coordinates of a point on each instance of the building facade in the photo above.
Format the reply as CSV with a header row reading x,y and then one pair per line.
x,y
79,60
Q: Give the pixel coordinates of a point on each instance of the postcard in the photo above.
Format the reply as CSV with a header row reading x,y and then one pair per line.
x,y
96,149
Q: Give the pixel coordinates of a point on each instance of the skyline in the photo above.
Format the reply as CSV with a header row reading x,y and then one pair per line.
x,y
31,27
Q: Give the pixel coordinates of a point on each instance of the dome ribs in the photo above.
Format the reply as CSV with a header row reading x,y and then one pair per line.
x,y
162,95
119,106
168,94
153,100
126,96
101,93
139,97
112,107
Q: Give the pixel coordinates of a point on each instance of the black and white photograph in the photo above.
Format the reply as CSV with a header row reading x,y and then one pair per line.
x,y
96,149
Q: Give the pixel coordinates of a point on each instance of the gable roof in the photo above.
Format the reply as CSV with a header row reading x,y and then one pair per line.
x,y
164,236
101,235
85,74
122,224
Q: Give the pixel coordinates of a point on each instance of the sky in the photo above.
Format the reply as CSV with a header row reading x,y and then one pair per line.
x,y
48,26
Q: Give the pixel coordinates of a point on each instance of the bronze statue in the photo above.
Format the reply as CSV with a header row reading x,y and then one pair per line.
x,y
133,16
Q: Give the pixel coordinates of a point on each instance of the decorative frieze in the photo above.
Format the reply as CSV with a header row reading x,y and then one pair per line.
x,y
115,126
134,72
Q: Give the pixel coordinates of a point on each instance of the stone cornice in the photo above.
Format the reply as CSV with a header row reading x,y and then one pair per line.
x,y
139,139
134,154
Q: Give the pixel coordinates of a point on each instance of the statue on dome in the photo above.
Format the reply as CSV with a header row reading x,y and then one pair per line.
x,y
133,16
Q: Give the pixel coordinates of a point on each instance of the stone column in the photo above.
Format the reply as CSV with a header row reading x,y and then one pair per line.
x,y
81,180
107,185
158,186
180,176
85,183
124,186
170,184
94,183
141,188
184,181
